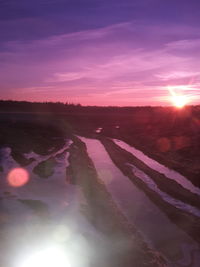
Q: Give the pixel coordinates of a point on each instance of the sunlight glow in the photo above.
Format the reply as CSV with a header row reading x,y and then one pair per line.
x,y
49,257
178,100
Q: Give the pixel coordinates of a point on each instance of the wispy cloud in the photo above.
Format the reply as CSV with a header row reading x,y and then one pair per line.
x,y
184,44
177,75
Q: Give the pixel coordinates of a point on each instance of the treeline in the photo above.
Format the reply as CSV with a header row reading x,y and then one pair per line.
x,y
58,107
25,106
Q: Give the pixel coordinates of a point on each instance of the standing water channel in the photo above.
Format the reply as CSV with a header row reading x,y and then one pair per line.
x,y
155,227
170,174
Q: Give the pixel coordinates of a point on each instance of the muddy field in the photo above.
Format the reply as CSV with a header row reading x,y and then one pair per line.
x,y
90,190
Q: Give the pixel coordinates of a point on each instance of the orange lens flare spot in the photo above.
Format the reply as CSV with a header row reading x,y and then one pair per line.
x,y
18,177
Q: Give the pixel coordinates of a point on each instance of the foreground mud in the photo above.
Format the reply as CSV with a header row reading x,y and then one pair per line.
x,y
45,168
126,246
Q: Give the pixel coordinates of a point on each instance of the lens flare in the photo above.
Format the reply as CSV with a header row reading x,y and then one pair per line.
x,y
49,257
18,177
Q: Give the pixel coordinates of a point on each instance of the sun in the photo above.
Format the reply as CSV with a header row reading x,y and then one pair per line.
x,y
178,100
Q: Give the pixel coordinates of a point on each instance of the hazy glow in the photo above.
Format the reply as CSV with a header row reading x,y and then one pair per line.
x,y
49,257
178,100
18,177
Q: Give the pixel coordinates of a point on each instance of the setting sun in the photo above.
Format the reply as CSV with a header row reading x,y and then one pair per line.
x,y
178,100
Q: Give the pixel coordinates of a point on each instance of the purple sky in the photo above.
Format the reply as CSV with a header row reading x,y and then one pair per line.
x,y
100,52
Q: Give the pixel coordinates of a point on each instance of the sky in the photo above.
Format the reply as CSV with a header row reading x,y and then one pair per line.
x,y
100,52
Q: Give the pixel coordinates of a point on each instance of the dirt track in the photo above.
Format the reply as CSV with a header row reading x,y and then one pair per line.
x,y
184,220
127,247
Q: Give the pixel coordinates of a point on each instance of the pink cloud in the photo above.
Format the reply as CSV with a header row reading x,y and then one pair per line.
x,y
113,64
